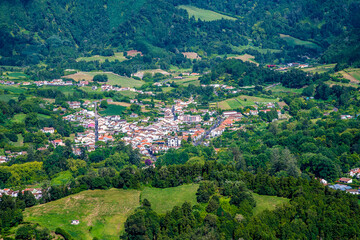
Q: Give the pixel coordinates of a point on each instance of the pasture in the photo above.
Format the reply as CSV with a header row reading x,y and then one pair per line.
x,y
102,213
113,79
117,56
320,69
291,41
113,110
245,58
264,202
164,199
203,14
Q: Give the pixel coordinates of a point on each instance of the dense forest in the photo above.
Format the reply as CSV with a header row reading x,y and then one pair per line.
x,y
35,30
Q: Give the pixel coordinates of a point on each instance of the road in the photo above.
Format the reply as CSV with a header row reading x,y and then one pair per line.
x,y
219,120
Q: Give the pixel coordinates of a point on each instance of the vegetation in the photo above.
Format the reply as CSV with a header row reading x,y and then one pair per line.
x,y
203,14
103,212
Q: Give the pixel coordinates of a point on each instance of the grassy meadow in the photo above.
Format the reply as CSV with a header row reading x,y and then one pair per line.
x,y
163,200
203,14
242,101
113,110
264,202
291,41
114,79
102,213
118,56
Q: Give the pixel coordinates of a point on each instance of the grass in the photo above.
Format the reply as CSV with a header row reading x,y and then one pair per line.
x,y
7,97
62,178
20,141
21,117
129,94
264,202
242,101
118,56
320,69
102,213
291,41
113,110
122,81
203,14
163,200
67,90
186,81
245,58
13,89
280,88
260,50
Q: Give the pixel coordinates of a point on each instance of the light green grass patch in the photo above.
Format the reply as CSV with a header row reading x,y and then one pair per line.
x,y
129,94
67,90
118,56
260,50
203,14
102,213
113,110
13,89
264,202
20,141
320,69
280,88
62,178
7,97
163,200
115,79
291,41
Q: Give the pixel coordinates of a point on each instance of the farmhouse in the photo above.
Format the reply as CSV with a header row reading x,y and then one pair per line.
x,y
48,130
345,180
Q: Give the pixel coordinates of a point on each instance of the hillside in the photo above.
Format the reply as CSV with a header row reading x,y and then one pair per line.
x,y
102,213
33,31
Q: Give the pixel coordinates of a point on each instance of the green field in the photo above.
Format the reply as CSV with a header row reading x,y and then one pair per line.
x,y
264,202
260,50
21,117
242,101
187,81
129,94
7,97
291,41
13,89
203,14
122,81
113,110
67,90
320,69
62,178
102,213
159,198
15,76
118,56
280,88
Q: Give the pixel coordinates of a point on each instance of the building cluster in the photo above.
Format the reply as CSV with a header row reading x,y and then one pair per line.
x,y
107,87
9,155
37,192
54,82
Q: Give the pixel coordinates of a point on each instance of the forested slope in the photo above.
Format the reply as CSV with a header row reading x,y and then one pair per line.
x,y
33,30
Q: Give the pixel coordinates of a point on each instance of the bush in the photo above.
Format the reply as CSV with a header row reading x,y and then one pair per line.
x,y
100,78
63,233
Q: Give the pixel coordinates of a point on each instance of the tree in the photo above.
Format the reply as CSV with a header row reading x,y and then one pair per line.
x,y
25,232
100,78
104,104
31,120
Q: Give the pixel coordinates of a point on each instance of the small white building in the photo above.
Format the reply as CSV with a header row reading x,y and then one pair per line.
x,y
75,222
